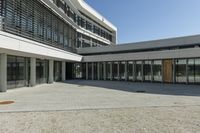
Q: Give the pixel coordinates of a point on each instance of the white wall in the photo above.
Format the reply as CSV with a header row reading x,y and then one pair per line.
x,y
14,45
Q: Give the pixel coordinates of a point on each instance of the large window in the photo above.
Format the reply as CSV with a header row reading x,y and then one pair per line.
x,y
108,70
115,70
130,70
180,70
138,70
122,70
17,71
194,70
57,70
157,70
41,71
147,70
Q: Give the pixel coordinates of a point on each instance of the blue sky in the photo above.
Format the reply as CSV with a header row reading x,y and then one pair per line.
x,y
142,20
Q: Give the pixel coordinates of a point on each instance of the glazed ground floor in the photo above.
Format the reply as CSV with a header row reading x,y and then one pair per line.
x,y
19,71
166,70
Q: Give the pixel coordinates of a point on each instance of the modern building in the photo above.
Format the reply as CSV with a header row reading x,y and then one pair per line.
x,y
44,41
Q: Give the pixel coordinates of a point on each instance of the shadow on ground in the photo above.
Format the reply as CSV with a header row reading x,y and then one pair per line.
x,y
148,88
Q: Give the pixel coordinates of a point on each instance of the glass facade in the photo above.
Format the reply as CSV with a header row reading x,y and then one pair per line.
x,y
33,20
17,71
77,71
57,70
180,70
147,70
130,70
194,70
122,70
108,70
157,70
138,71
42,70
115,70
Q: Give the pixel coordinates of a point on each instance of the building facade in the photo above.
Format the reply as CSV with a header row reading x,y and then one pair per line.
x,y
45,41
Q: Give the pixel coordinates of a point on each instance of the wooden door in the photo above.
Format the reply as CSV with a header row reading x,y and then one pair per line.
x,y
167,71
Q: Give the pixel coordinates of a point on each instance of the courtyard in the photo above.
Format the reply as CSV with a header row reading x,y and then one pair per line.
x,y
101,106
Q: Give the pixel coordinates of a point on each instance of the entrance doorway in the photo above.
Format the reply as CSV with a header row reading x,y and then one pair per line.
x,y
168,71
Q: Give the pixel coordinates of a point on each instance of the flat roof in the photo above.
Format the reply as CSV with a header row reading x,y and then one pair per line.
x,y
137,46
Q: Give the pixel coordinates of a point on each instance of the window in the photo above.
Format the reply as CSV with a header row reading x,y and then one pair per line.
x,y
157,70
180,70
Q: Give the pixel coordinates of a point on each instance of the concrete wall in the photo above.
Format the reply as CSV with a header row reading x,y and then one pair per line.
x,y
14,45
166,54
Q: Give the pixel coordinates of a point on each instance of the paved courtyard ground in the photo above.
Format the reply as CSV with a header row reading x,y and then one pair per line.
x,y
101,106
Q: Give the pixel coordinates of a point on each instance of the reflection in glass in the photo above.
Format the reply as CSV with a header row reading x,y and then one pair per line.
x,y
57,70
147,70
17,72
130,70
108,71
41,71
191,70
122,70
180,70
138,69
157,70
115,70
197,70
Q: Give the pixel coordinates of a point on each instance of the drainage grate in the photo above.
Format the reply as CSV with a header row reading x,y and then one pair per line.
x,y
6,102
140,91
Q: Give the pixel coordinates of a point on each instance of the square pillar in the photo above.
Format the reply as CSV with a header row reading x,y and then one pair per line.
x,y
118,74
92,70
151,71
33,72
142,68
3,73
111,71
86,70
187,78
51,68
134,72
63,70
126,71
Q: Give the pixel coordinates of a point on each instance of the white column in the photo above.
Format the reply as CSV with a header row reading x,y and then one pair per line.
x,y
118,74
134,71
87,71
92,70
98,71
151,71
126,71
63,70
111,71
33,72
3,73
187,78
142,67
51,65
